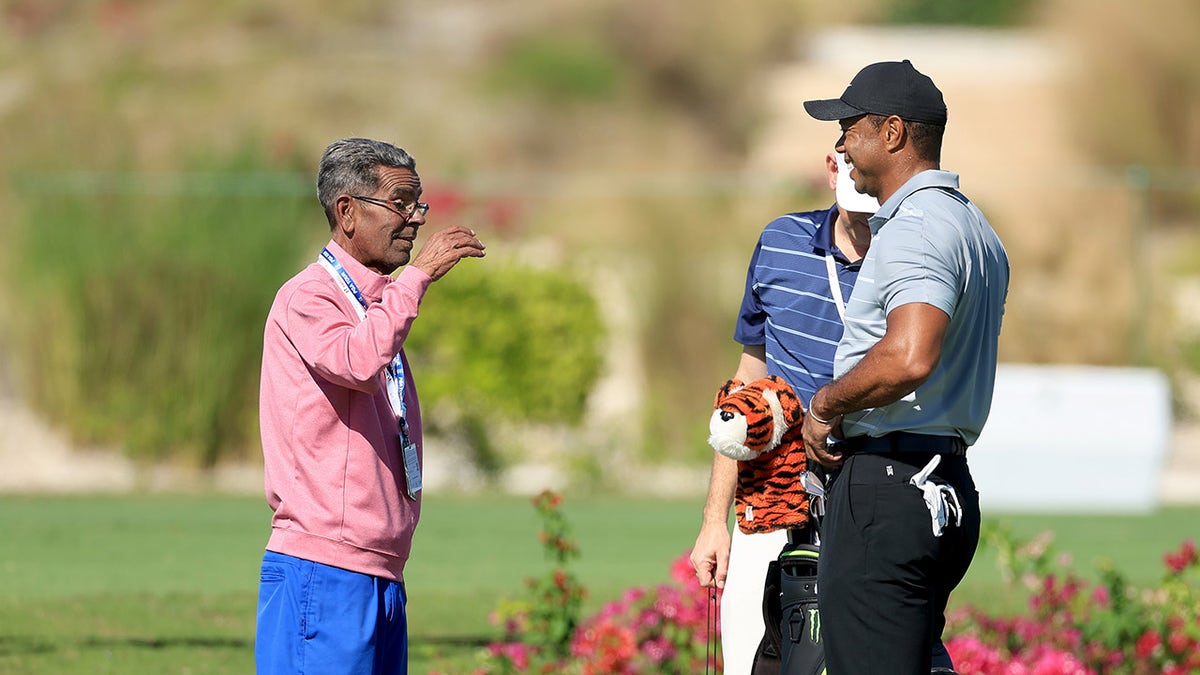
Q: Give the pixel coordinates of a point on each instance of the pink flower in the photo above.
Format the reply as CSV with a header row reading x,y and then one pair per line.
x,y
1055,662
659,650
633,595
682,572
517,653
973,656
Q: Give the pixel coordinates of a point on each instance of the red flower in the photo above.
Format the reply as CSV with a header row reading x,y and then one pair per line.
x,y
1147,644
547,500
1188,551
445,200
1179,642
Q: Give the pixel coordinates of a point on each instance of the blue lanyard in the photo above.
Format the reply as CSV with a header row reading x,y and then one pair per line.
x,y
396,368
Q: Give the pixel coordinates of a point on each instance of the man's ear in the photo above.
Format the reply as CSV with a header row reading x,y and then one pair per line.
x,y
343,212
894,133
831,170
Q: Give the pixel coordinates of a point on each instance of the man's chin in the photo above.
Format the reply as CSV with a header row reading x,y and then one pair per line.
x,y
401,260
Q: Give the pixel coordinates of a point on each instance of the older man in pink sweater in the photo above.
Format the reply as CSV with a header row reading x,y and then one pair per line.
x,y
341,425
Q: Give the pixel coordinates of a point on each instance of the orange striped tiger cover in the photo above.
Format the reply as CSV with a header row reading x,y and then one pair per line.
x,y
769,493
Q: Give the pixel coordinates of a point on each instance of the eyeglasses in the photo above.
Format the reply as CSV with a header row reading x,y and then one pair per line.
x,y
397,206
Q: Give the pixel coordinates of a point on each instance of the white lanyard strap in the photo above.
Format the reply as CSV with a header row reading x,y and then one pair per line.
x,y
835,286
394,373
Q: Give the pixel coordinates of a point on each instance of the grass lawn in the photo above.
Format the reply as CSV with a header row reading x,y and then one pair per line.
x,y
167,584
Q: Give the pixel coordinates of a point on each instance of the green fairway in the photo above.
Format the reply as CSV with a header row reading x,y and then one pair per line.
x,y
167,584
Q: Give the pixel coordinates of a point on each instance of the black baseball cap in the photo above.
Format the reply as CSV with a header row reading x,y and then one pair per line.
x,y
885,88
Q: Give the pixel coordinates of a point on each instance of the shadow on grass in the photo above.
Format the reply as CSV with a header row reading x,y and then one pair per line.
x,y
450,640
26,646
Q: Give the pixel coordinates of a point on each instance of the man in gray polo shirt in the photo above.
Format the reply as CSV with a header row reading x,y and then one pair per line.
x,y
914,374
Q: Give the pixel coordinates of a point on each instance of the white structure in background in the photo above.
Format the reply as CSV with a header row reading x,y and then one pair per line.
x,y
1074,438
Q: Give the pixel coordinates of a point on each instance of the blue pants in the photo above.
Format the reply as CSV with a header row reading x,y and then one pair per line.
x,y
317,619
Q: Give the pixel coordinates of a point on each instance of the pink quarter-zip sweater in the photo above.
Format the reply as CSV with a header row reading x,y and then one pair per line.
x,y
334,469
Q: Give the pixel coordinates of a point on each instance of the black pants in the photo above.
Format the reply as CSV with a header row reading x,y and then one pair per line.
x,y
884,579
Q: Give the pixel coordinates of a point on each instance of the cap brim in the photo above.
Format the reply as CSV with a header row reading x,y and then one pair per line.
x,y
831,109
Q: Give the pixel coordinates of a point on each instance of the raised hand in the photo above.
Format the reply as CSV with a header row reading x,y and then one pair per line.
x,y
445,248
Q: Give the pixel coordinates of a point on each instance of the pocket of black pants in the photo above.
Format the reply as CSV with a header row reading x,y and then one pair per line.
x,y
902,528
861,505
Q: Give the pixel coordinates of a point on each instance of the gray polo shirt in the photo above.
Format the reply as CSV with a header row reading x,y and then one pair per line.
x,y
931,245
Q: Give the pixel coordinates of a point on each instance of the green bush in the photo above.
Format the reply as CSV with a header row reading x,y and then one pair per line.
x,y
993,13
506,342
555,70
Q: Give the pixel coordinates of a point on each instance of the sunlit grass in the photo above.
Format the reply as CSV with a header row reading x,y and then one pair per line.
x,y
167,584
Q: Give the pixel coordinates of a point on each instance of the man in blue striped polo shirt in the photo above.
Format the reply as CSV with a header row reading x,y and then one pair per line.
x,y
800,274
914,371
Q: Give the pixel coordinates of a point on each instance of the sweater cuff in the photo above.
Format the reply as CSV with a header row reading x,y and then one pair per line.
x,y
414,279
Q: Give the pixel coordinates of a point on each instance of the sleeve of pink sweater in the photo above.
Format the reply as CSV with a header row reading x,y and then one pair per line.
x,y
339,347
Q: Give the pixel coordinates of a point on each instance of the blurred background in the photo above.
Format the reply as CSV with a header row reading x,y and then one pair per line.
x,y
618,158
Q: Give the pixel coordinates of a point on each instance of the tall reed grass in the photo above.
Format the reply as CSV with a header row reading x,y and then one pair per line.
x,y
139,300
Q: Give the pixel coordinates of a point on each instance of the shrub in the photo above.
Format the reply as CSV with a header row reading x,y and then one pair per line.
x,y
516,342
1076,627
555,70
671,628
991,13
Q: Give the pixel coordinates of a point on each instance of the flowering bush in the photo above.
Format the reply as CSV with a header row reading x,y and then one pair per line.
x,y
1073,627
670,628
1076,627
538,630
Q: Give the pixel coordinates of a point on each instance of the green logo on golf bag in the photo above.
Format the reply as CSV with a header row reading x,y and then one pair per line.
x,y
814,624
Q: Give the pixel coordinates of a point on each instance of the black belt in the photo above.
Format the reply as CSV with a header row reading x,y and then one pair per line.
x,y
905,441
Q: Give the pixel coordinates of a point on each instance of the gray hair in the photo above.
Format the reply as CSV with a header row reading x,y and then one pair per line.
x,y
350,166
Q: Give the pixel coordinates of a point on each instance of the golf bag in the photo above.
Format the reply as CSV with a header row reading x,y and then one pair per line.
x,y
792,644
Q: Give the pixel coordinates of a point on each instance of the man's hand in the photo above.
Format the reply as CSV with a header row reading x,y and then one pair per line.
x,y
816,433
710,555
445,248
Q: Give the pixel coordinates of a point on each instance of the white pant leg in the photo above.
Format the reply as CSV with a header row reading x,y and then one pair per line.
x,y
742,624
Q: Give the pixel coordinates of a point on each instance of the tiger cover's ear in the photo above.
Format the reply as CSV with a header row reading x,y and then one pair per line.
x,y
789,402
726,389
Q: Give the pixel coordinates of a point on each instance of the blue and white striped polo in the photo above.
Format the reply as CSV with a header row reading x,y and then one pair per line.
x,y
788,303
